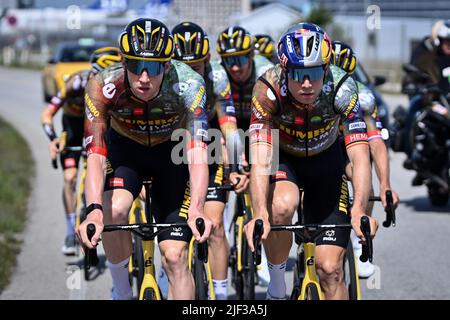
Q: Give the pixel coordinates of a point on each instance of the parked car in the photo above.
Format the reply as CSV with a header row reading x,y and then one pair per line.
x,y
69,57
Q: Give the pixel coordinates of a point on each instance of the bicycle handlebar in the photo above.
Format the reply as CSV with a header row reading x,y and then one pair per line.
x,y
365,228
70,148
145,231
228,187
257,234
390,209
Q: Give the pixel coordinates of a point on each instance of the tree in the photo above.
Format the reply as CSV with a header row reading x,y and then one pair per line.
x,y
320,16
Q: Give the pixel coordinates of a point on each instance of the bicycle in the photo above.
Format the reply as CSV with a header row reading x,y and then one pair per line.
x,y
306,283
350,265
142,259
241,260
80,207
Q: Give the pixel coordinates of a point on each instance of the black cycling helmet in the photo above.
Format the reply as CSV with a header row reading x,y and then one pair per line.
x,y
343,56
146,39
264,45
104,57
191,42
234,41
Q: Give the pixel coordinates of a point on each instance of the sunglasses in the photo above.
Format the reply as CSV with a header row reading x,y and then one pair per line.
x,y
235,61
314,73
153,68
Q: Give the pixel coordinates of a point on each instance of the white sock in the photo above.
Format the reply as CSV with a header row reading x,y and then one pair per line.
x,y
70,224
277,284
355,241
221,289
121,285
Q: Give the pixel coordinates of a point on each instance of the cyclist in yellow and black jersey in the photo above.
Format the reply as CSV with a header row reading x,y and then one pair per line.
x,y
71,100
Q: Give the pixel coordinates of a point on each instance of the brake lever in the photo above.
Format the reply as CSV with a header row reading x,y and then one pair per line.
x,y
390,210
367,249
202,248
257,234
92,258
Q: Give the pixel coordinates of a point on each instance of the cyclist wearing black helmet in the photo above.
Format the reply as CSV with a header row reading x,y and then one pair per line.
x,y
265,46
192,47
71,100
343,56
236,50
143,101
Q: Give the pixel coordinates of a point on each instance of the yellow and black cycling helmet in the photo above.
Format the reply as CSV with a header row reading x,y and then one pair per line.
x,y
146,39
234,41
104,57
191,42
264,45
343,56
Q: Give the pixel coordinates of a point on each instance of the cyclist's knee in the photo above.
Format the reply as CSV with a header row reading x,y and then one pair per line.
x,y
70,177
283,208
218,233
119,212
330,271
175,258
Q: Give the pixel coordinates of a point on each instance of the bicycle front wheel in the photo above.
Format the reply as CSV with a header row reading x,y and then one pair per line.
x,y
351,274
312,292
249,272
201,280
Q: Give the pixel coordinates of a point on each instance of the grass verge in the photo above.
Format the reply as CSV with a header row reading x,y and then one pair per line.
x,y
16,172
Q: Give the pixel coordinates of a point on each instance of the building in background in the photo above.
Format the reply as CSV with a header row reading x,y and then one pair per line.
x,y
382,32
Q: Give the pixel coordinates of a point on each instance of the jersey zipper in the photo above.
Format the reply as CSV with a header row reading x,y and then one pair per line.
x,y
148,124
307,129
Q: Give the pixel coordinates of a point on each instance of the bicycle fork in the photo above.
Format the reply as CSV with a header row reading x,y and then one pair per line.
x,y
310,271
149,285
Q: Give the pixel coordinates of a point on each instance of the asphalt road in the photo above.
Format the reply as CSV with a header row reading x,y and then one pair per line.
x,y
412,258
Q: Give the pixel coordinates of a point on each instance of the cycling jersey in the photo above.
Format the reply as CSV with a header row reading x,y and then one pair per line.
x,y
180,103
306,130
369,107
221,113
242,92
71,96
218,95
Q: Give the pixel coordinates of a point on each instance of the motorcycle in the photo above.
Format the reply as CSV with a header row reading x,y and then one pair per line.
x,y
428,132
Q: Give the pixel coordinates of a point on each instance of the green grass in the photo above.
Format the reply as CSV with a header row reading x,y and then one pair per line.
x,y
16,171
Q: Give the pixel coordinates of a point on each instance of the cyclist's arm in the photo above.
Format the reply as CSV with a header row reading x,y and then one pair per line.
x,y
48,113
226,115
261,125
378,150
197,126
95,126
356,144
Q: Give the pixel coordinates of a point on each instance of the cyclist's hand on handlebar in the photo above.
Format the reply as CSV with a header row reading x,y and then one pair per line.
x,y
250,226
395,198
96,220
208,226
54,148
356,224
239,181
